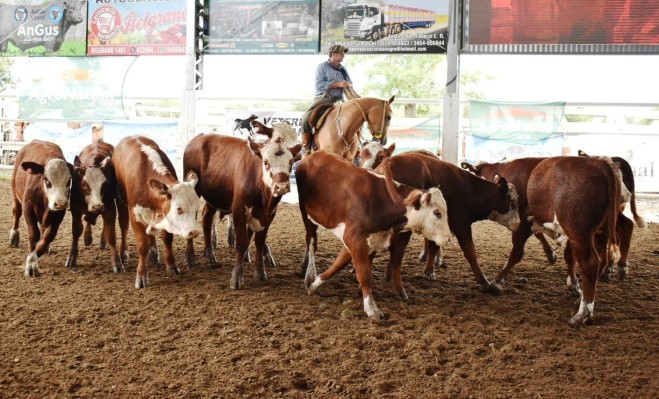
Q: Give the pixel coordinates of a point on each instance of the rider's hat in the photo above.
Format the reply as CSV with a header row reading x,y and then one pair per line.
x,y
337,48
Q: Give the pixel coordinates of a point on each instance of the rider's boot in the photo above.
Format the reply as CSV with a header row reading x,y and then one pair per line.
x,y
306,144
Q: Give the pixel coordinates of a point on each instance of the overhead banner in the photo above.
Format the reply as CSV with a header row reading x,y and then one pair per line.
x,y
398,26
136,27
523,123
263,27
74,89
54,28
563,22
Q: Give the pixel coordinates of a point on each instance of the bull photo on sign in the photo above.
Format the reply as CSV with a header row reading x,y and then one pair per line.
x,y
55,28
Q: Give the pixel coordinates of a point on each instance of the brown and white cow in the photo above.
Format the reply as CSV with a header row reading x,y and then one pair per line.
x,y
154,200
41,187
469,199
373,153
244,179
282,130
577,199
93,194
367,212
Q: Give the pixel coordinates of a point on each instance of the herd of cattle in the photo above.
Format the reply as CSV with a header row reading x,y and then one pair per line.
x,y
377,205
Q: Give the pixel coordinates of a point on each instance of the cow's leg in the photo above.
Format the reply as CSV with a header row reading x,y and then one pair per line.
x,y
242,245
314,282
49,229
438,259
231,231
396,252
208,221
33,236
259,244
589,262
434,252
364,274
572,281
109,236
311,236
122,211
154,255
268,259
143,247
467,245
170,261
550,253
516,252
90,220
624,231
76,232
14,235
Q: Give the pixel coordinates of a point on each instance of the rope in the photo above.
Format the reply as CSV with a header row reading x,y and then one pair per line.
x,y
350,93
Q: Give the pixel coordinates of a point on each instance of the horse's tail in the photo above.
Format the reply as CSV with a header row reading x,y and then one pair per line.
x,y
392,187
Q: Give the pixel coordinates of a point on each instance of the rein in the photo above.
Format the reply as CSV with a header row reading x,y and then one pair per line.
x,y
377,134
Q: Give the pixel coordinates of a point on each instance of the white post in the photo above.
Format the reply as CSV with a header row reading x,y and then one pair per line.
x,y
451,115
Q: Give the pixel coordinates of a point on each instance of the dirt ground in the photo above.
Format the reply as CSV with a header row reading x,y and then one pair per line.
x,y
88,333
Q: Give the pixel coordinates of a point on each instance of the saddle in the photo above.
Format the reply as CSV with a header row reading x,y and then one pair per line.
x,y
319,115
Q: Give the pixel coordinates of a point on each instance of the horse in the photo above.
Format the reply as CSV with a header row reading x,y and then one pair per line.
x,y
339,130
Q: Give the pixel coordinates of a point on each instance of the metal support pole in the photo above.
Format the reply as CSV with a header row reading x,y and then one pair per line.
x,y
451,120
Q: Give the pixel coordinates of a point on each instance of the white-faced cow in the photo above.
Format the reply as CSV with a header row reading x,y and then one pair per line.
x,y
244,179
469,199
41,187
155,201
47,29
577,199
367,212
373,153
93,194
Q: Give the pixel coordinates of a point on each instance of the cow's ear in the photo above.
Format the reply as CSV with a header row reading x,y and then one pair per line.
x,y
502,184
33,168
390,150
295,150
582,154
496,177
469,167
77,162
192,178
158,186
414,199
255,147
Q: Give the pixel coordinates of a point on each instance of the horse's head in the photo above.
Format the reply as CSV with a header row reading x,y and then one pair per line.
x,y
378,117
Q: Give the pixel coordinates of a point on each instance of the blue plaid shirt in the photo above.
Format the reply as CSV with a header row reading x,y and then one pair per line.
x,y
326,74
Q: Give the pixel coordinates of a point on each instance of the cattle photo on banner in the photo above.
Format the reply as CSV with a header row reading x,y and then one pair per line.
x,y
263,27
137,27
80,89
55,28
502,130
391,26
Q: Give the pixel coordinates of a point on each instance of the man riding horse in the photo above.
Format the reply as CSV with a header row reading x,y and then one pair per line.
x,y
331,80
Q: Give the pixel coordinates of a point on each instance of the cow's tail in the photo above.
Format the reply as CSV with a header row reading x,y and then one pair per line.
x,y
389,181
640,221
614,190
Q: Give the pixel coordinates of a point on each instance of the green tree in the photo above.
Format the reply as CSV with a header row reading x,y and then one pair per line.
x,y
6,78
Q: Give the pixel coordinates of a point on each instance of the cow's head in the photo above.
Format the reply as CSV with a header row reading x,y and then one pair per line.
x,y
56,177
74,11
373,153
277,161
427,215
505,205
177,213
93,183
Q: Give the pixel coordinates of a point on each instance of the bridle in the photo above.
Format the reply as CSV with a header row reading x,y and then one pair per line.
x,y
377,134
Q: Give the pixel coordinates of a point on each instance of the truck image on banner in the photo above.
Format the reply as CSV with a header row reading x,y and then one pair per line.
x,y
374,21
399,26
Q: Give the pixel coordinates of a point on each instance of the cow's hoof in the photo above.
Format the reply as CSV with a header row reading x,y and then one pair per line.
x,y
578,321
118,268
125,258
551,257
209,255
71,262
261,277
438,262
189,259
153,256
430,276
402,296
87,240
423,256
376,315
173,271
142,282
494,288
102,244
269,261
605,277
14,238
237,278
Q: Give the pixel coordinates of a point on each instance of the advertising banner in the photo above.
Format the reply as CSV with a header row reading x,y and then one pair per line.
x,y
164,133
477,149
394,26
54,28
145,27
70,140
524,123
563,22
78,89
263,27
